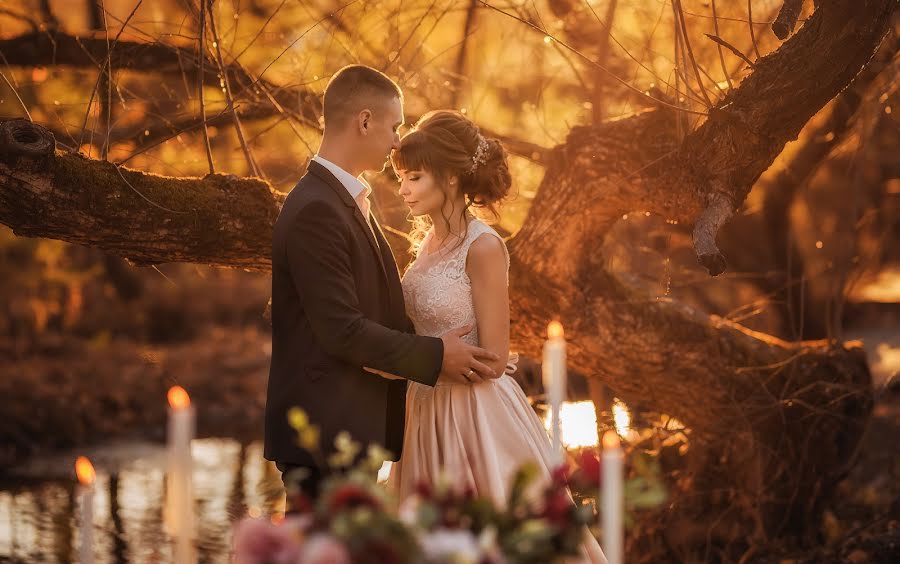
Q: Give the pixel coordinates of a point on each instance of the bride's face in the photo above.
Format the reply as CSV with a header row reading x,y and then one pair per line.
x,y
422,193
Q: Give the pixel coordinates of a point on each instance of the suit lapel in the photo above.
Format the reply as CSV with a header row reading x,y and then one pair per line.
x,y
348,200
387,257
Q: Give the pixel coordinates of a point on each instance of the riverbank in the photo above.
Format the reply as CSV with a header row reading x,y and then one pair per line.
x,y
78,392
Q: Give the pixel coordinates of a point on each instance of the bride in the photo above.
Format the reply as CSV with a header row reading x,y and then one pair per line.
x,y
478,433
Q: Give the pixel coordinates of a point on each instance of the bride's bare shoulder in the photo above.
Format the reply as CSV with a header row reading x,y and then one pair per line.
x,y
486,253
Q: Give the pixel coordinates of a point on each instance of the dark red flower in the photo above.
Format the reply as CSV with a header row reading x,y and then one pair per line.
x,y
591,471
560,475
297,503
379,551
350,496
557,508
424,490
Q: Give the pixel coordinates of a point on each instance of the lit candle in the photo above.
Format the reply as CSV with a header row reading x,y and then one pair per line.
x,y
612,514
554,376
85,472
179,514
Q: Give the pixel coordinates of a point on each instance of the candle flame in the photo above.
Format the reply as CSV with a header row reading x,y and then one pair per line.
x,y
179,398
610,440
84,470
555,330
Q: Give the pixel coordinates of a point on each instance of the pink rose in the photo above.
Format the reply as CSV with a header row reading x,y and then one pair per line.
x,y
323,549
258,541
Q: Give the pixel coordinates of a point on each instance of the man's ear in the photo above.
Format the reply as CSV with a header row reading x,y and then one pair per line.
x,y
364,121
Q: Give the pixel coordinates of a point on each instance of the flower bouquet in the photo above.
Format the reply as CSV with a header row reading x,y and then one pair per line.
x,y
355,520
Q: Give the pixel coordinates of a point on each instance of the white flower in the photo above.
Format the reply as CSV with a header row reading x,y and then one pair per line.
x,y
450,546
490,550
408,512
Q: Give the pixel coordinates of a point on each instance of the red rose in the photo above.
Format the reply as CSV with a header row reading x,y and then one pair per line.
x,y
591,471
350,496
560,475
557,507
424,490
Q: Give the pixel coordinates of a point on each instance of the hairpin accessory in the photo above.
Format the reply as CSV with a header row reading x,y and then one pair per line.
x,y
481,153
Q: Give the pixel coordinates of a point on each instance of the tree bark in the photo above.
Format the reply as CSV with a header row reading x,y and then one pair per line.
x,y
147,218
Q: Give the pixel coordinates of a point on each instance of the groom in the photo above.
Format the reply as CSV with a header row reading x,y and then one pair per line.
x,y
337,303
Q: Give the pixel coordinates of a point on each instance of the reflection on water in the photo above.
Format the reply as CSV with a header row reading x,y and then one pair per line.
x,y
39,502
38,511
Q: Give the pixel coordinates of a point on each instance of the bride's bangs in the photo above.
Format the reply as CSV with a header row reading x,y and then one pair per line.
x,y
414,153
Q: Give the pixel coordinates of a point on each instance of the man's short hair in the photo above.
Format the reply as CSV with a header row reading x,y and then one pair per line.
x,y
353,89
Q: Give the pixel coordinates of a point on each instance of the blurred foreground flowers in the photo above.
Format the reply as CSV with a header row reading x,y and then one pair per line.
x,y
356,520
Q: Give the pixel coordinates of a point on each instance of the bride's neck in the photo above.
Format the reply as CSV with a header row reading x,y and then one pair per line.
x,y
451,224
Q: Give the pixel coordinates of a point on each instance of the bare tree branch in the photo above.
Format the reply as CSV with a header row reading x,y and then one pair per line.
x,y
787,18
235,215
201,40
229,98
719,46
48,49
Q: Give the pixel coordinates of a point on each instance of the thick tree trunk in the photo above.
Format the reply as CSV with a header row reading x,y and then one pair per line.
x,y
772,424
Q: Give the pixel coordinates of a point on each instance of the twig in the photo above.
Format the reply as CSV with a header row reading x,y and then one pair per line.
x,y
248,154
176,134
413,34
719,46
260,32
103,68
590,61
731,48
302,35
136,191
201,55
460,66
640,63
690,53
750,25
597,108
19,98
106,95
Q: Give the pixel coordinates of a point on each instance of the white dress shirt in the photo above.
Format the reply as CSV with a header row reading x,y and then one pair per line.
x,y
358,188
354,185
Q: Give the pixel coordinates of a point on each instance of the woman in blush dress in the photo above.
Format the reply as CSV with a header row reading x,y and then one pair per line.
x,y
476,434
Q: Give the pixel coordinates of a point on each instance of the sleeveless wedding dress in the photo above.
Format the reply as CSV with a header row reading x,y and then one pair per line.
x,y
475,435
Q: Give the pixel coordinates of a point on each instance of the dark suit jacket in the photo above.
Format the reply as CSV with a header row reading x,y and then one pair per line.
x,y
337,305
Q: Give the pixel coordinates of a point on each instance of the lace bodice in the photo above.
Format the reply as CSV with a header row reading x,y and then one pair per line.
x,y
437,290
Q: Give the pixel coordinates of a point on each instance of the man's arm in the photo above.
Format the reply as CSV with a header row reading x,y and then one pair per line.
x,y
318,253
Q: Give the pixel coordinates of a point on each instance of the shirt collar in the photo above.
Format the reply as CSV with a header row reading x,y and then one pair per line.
x,y
355,186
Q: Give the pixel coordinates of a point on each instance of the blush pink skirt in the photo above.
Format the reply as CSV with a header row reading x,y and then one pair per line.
x,y
474,435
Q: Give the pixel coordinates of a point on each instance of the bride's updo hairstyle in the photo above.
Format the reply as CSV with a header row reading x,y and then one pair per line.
x,y
446,143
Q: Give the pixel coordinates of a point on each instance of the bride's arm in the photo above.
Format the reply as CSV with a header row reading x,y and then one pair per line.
x,y
487,269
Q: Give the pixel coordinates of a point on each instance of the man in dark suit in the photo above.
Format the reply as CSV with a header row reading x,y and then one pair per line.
x,y
337,303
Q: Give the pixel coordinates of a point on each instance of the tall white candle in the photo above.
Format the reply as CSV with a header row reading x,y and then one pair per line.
x,y
612,513
85,472
179,513
554,377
